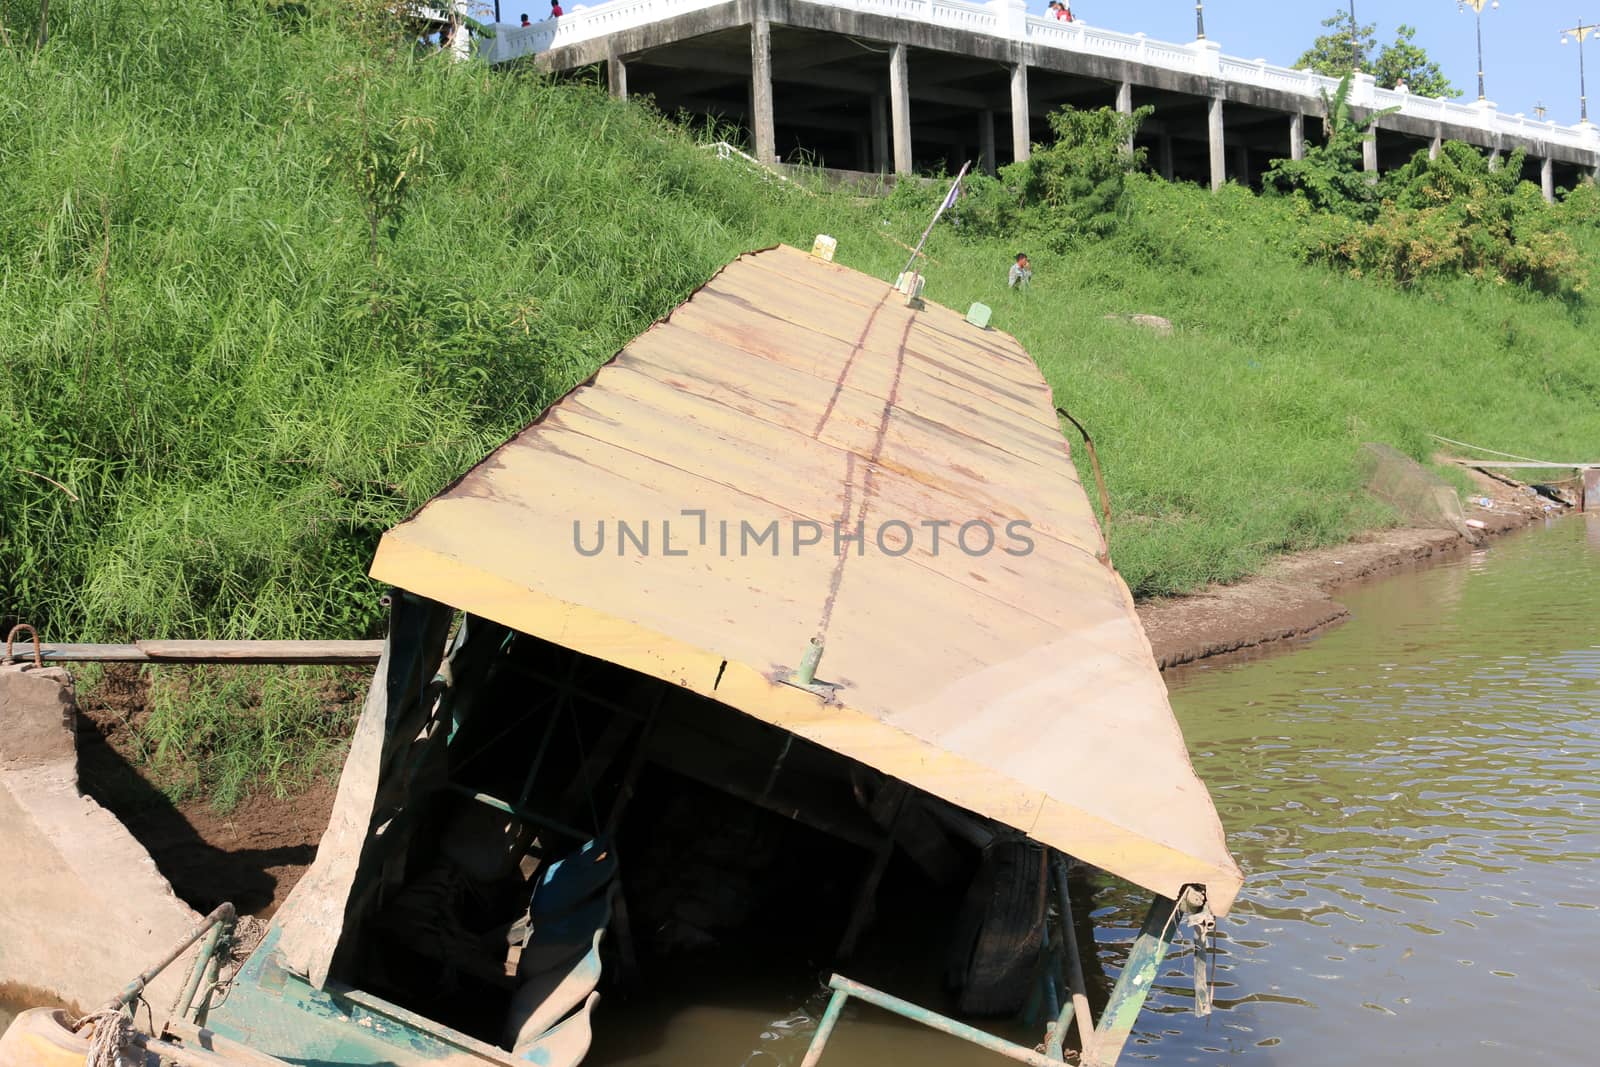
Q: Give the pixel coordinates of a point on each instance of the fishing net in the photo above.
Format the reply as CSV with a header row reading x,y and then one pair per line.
x,y
1420,496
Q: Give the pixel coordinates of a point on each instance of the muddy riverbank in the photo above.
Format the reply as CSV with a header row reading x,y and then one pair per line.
x,y
1295,596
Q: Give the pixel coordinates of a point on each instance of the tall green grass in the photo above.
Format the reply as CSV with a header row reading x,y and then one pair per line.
x,y
264,289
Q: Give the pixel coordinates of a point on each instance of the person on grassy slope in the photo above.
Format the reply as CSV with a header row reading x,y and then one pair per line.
x,y
1021,273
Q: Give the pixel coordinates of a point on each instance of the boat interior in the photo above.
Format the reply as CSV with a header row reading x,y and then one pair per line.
x,y
584,823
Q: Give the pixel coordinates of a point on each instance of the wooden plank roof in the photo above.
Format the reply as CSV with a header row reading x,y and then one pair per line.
x,y
1002,668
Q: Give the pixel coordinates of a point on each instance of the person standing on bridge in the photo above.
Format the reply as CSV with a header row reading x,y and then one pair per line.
x,y
526,22
555,9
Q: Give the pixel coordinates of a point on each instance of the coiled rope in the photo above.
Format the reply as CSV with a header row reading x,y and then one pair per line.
x,y
112,1035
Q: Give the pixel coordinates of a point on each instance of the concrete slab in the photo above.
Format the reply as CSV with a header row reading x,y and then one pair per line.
x,y
83,908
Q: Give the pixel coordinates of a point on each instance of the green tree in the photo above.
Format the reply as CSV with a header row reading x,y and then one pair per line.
x,y
1076,186
1336,52
1405,59
1330,176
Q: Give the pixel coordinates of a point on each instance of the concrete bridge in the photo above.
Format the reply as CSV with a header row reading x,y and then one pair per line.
x,y
899,85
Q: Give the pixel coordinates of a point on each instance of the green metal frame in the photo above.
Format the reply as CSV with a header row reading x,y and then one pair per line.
x,y
843,989
1102,1046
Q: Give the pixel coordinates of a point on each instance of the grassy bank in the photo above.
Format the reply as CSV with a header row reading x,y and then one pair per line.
x,y
265,287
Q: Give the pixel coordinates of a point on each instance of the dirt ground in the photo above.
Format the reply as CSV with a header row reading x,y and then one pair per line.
x,y
251,856
254,854
1294,597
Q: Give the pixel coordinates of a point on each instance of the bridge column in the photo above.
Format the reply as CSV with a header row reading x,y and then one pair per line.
x,y
1164,154
900,106
880,133
1297,136
616,74
986,139
1125,104
1241,165
1219,163
1547,179
761,127
1494,159
1021,141
1434,146
1369,153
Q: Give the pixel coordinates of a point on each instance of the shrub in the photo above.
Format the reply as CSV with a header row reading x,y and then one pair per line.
x,y
1458,215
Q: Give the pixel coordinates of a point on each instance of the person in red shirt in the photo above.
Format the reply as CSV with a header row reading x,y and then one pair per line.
x,y
555,9
526,21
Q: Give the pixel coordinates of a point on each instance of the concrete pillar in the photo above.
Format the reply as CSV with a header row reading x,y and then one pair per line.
x,y
863,151
1297,136
1164,152
900,107
1369,153
1219,166
986,139
1125,104
761,126
1241,165
1434,146
616,75
1494,159
1021,138
880,133
1547,180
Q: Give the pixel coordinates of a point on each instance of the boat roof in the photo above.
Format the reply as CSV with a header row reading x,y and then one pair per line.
x,y
1003,669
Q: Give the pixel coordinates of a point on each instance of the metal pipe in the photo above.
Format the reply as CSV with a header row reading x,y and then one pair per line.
x,y
917,1014
807,674
1199,20
202,962
1080,997
819,1040
1133,986
222,913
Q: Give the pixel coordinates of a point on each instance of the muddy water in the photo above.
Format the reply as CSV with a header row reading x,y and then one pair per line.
x,y
1415,799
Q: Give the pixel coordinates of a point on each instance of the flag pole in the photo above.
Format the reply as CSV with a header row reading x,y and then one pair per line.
x,y
949,198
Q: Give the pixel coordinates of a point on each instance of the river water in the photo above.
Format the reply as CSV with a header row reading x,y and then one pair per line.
x,y
1415,799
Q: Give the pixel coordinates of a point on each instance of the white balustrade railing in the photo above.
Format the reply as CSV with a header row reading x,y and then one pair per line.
x,y
1009,19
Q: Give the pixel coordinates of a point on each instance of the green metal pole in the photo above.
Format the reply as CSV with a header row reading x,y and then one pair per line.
x,y
1144,963
202,962
918,1014
819,1040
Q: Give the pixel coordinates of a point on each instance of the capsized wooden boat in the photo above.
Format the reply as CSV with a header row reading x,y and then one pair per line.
x,y
798,513
1004,670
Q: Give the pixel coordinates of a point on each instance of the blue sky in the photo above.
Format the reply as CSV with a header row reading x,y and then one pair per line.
x,y
1523,59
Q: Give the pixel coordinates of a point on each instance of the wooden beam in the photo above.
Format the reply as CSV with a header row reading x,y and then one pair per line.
x,y
1524,465
211,652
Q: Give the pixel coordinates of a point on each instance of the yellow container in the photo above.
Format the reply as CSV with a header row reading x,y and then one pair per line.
x,y
41,1037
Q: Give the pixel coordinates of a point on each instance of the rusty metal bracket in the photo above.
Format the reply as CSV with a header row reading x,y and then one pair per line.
x,y
38,656
1202,925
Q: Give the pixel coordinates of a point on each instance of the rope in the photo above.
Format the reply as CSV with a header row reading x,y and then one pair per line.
x,y
1094,462
1480,448
112,1035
